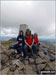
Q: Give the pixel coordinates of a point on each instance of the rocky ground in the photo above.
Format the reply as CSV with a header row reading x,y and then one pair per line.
x,y
10,65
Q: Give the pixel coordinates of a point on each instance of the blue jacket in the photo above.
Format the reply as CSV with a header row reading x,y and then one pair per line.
x,y
20,39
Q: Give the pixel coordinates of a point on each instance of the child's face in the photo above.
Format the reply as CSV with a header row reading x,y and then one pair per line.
x,y
21,33
28,33
35,35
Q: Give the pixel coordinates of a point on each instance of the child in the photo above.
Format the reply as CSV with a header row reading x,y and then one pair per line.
x,y
20,40
20,43
29,44
36,41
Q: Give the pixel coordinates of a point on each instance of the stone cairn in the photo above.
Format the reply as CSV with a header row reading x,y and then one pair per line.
x,y
15,65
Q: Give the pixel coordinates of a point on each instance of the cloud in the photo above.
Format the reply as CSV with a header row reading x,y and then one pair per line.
x,y
38,15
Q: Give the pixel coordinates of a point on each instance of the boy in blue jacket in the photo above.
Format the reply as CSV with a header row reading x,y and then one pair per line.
x,y
20,43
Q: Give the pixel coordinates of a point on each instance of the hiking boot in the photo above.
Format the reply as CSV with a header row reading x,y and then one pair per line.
x,y
22,55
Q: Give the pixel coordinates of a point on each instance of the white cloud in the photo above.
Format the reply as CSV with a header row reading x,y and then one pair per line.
x,y
39,15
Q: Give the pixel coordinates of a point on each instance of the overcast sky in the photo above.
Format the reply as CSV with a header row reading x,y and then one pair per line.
x,y
38,15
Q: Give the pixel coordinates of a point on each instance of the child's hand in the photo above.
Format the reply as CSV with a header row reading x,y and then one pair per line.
x,y
30,47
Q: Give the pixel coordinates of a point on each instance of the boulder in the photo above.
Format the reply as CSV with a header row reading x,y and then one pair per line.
x,y
34,67
17,56
12,67
0,58
47,67
18,64
28,70
40,67
5,71
31,60
40,60
28,67
4,58
1,51
11,73
9,52
26,62
0,66
52,65
41,54
16,72
21,73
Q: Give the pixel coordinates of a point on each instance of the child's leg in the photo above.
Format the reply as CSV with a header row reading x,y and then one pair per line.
x,y
26,50
21,50
15,46
34,47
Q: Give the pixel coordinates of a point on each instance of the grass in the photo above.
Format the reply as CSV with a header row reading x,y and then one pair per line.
x,y
9,43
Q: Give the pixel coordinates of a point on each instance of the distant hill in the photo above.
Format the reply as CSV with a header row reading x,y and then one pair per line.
x,y
13,39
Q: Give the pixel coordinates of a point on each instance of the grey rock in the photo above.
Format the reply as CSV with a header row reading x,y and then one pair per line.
x,y
17,62
4,58
52,65
5,71
10,73
34,67
40,67
41,54
16,72
12,67
26,62
31,60
39,60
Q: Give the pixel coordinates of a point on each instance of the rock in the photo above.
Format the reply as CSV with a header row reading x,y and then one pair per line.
x,y
40,67
12,67
34,67
21,67
1,51
16,72
0,66
31,60
11,73
52,65
28,67
52,51
9,52
21,73
26,62
17,62
4,50
39,60
0,58
5,71
17,56
28,70
47,67
41,54
4,58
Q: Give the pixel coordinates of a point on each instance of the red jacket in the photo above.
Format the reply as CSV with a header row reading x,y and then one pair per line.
x,y
29,40
36,40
